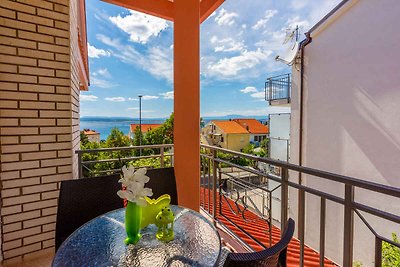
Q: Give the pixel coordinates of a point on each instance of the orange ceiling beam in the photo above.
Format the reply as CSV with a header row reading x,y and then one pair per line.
x,y
207,7
165,8
159,8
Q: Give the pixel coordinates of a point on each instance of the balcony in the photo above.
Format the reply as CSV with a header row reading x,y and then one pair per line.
x,y
249,206
278,90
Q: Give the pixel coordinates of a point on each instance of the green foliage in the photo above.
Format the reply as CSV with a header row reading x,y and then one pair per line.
x,y
202,122
117,139
264,143
84,139
249,149
391,253
150,162
161,135
357,264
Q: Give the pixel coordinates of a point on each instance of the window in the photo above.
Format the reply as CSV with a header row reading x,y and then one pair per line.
x,y
222,139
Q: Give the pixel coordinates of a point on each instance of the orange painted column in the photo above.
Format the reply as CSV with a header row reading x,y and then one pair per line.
x,y
187,101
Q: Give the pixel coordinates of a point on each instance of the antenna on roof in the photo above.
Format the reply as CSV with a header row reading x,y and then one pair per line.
x,y
292,41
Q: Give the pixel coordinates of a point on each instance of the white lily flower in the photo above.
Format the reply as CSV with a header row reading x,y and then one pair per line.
x,y
134,183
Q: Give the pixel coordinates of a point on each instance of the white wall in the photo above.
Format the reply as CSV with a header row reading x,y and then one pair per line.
x,y
351,116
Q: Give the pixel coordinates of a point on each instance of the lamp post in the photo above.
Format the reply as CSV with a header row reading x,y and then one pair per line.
x,y
140,123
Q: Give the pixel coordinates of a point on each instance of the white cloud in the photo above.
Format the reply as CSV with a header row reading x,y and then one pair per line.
x,y
150,97
115,99
156,60
249,89
254,92
233,67
88,98
298,4
297,21
226,18
94,81
94,52
132,99
258,95
168,95
262,23
104,72
143,110
140,27
227,45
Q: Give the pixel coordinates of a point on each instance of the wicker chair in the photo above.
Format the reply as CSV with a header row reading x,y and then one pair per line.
x,y
273,256
83,199
162,181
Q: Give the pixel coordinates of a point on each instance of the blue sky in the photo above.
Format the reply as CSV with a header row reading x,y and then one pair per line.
x,y
131,53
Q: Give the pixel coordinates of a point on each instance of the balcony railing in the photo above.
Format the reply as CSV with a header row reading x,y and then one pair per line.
x,y
112,159
278,89
235,192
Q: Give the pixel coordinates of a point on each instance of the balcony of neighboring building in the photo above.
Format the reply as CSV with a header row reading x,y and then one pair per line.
x,y
278,90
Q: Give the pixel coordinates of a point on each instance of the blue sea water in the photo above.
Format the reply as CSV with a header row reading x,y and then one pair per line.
x,y
104,125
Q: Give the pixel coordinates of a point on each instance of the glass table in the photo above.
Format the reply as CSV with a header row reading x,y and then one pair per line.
x,y
100,242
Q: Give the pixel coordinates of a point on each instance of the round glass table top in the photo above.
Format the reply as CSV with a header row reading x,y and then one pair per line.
x,y
100,242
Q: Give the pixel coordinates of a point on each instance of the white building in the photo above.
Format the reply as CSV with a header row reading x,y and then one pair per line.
x,y
346,102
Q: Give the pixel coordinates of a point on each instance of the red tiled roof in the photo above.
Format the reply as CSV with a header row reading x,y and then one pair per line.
x,y
253,126
230,127
258,228
145,127
90,132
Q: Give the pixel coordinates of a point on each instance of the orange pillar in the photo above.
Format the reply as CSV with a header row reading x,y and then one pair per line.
x,y
187,101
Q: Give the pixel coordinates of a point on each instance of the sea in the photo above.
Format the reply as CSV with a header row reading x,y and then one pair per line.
x,y
103,125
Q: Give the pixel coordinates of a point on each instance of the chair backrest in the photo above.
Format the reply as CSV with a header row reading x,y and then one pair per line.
x,y
273,256
162,181
83,199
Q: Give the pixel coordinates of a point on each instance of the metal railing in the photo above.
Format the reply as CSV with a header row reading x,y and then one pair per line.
x,y
112,159
226,180
211,164
278,88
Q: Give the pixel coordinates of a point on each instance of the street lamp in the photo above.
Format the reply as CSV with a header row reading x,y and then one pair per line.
x,y
140,123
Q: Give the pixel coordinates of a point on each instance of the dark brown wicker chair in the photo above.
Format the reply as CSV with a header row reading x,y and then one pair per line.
x,y
162,181
83,199
273,256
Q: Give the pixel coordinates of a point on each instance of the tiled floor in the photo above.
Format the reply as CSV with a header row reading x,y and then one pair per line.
x,y
40,261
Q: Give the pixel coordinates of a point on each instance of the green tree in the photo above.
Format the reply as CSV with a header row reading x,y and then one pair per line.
x,y
117,139
202,122
391,253
84,139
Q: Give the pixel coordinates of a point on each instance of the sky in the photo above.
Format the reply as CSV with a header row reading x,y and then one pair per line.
x,y
131,54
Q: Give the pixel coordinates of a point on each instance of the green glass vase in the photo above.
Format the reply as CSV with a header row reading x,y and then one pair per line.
x,y
133,218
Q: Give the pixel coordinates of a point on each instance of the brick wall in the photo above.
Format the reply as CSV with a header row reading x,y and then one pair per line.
x,y
75,87
39,120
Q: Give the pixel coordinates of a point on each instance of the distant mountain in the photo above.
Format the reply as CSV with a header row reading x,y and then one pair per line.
x,y
104,118
206,119
235,116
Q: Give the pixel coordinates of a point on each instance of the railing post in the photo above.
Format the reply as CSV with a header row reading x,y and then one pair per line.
x,y
348,226
214,155
284,198
80,167
378,252
162,157
301,223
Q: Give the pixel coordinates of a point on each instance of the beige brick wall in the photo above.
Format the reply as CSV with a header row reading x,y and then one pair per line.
x,y
39,120
74,96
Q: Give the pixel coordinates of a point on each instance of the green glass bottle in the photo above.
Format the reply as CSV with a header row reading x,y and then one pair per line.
x,y
133,218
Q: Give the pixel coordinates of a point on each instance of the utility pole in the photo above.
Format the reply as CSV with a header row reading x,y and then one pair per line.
x,y
140,123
